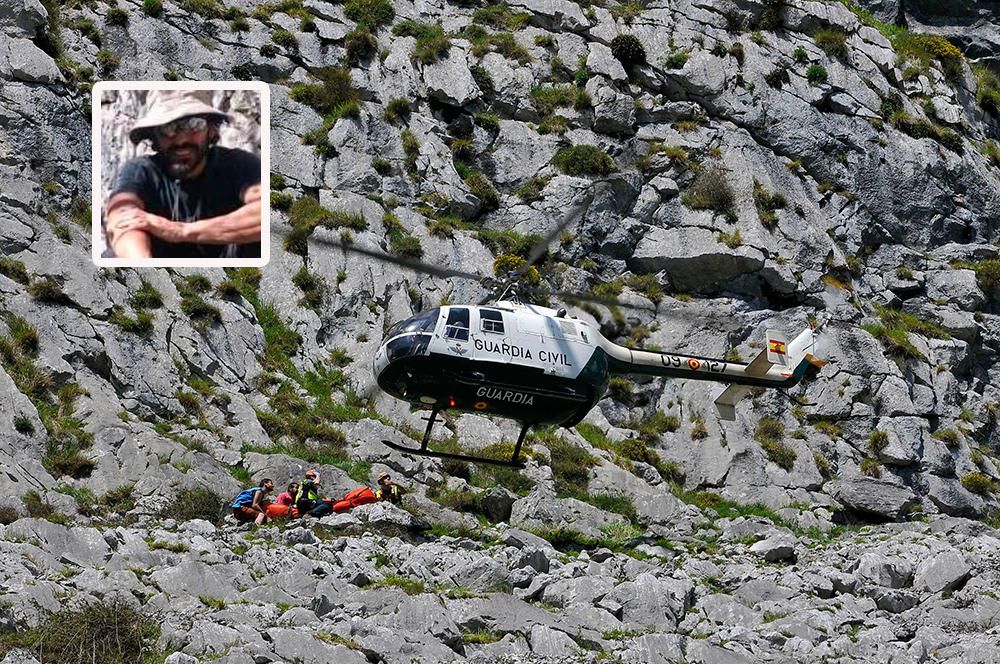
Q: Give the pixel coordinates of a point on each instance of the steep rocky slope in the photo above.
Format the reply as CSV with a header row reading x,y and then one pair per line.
x,y
750,165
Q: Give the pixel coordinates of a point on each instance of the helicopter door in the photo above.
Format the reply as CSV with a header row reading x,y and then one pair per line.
x,y
491,337
457,326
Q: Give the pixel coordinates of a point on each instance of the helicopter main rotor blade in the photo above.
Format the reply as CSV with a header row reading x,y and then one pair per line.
x,y
571,215
408,263
572,296
444,272
542,246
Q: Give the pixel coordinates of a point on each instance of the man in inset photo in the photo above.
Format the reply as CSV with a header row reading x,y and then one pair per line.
x,y
191,197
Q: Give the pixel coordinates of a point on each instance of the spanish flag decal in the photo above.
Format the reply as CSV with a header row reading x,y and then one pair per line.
x,y
777,346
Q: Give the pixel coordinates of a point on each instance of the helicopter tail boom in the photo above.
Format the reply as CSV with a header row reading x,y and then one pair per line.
x,y
782,364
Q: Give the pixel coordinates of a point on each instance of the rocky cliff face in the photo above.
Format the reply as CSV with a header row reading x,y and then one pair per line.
x,y
737,165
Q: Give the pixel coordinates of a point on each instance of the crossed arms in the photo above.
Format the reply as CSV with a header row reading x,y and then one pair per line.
x,y
130,228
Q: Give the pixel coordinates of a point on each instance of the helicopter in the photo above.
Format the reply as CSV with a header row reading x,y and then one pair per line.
x,y
535,365
514,359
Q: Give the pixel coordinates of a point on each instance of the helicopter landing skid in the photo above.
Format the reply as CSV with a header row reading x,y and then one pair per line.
x,y
513,462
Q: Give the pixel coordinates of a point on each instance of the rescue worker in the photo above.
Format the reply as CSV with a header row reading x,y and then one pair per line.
x,y
251,504
389,490
308,499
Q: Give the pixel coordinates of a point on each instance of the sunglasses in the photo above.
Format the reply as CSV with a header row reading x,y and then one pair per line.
x,y
182,126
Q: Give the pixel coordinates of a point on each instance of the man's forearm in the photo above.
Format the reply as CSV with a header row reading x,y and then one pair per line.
x,y
238,227
132,244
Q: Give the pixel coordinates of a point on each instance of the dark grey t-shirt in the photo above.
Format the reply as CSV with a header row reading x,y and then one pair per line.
x,y
218,191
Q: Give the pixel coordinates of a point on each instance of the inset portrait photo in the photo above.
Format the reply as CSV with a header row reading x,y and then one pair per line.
x,y
180,173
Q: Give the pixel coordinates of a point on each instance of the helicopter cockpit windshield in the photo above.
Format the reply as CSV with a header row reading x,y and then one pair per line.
x,y
422,322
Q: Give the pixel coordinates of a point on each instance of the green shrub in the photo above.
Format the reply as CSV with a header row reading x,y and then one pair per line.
x,y
306,214
870,468
334,90
948,436
822,464
209,9
833,43
710,190
22,424
407,246
197,503
776,77
978,483
36,506
896,341
8,515
731,240
46,289
553,124
483,190
107,61
281,200
107,632
141,325
432,41
240,24
147,297
583,160
313,288
991,151
877,442
676,60
923,128
14,269
531,190
202,314
501,17
570,464
628,50
770,434
772,15
769,429
926,48
988,276
152,7
988,90
816,74
506,45
621,389
548,98
369,14
286,39
488,121
738,52
360,45
116,16
89,30
397,109
483,80
894,318
767,203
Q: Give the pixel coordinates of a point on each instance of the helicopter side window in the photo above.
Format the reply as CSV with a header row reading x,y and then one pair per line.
x,y
491,321
457,326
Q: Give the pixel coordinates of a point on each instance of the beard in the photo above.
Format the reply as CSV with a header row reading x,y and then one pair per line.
x,y
184,158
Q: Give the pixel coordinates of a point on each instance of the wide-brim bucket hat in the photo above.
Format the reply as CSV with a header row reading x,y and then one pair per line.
x,y
169,105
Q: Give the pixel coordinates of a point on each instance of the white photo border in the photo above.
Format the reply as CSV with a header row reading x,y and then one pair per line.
x,y
97,204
